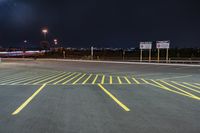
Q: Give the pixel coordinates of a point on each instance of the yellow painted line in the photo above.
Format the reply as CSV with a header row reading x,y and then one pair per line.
x,y
54,79
13,80
22,106
27,79
71,74
111,80
194,86
35,80
136,81
119,80
103,79
46,79
127,80
185,76
15,76
20,80
176,88
186,87
84,82
71,79
145,81
168,89
93,82
32,79
114,98
79,79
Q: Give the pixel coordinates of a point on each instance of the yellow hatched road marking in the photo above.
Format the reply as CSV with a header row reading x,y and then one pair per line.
x,y
84,82
28,79
111,80
13,80
14,77
71,79
145,81
119,80
103,79
57,78
197,87
168,89
127,80
186,87
95,79
40,78
71,74
136,81
114,98
177,88
196,84
48,78
79,79
18,110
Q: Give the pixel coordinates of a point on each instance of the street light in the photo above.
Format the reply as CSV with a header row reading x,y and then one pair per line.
x,y
45,31
55,41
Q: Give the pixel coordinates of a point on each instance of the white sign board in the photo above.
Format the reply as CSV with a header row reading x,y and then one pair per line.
x,y
162,44
145,45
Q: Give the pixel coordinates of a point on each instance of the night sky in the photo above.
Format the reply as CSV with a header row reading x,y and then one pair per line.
x,y
102,23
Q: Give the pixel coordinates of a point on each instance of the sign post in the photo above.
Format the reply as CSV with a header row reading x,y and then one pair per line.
x,y
167,55
163,45
149,55
92,52
143,46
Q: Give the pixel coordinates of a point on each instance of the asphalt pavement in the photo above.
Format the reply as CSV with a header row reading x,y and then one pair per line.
x,y
46,96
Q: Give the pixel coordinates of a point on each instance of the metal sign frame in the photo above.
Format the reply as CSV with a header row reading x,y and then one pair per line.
x,y
144,46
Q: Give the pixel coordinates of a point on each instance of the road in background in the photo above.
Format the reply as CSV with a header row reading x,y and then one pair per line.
x,y
55,96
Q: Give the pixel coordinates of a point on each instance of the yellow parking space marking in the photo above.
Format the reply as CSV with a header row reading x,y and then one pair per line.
x,y
68,76
119,80
186,87
114,98
136,81
180,90
111,80
38,79
95,79
46,79
54,79
71,79
194,86
103,79
21,107
127,80
84,82
78,79
145,81
161,86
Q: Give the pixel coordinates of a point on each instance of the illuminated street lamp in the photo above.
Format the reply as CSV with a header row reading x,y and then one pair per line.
x,y
45,31
55,41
